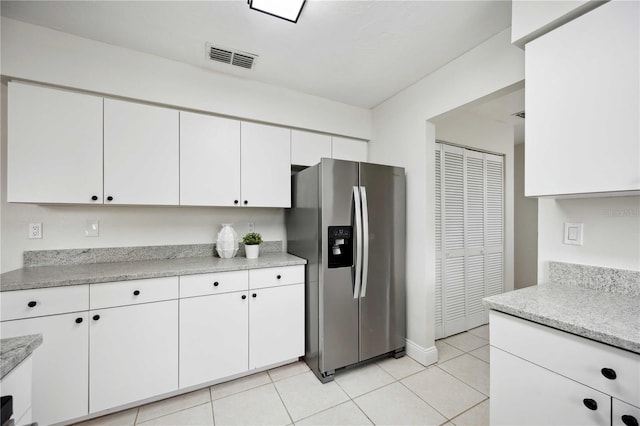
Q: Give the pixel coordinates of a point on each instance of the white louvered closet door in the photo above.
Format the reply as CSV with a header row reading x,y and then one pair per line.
x,y
469,236
494,247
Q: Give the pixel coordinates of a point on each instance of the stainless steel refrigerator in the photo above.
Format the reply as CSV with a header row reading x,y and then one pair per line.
x,y
348,220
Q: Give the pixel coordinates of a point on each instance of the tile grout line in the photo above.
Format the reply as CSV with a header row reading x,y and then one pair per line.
x,y
469,409
423,400
171,413
273,383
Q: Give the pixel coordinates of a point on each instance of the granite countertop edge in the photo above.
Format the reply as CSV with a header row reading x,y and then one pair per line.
x,y
577,311
14,350
61,276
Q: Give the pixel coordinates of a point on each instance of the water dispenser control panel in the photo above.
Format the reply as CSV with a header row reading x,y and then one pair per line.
x,y
340,246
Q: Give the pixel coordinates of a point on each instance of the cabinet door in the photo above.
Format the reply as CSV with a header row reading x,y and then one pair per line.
x,y
266,166
133,353
276,325
140,154
583,104
54,146
308,148
60,365
623,414
209,160
523,393
348,149
214,341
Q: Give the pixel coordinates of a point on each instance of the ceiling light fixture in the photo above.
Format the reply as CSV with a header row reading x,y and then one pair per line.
x,y
289,10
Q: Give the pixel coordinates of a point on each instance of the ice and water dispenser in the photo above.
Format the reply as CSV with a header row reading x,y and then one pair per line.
x,y
340,240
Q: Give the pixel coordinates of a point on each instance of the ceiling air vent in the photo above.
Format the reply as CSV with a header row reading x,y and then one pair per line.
x,y
230,56
519,114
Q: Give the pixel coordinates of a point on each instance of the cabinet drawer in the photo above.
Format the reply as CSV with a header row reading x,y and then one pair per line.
x,y
214,283
43,301
105,295
272,277
572,356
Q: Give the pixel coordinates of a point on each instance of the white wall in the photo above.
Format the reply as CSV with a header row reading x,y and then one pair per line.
x,y
525,222
38,54
402,136
611,232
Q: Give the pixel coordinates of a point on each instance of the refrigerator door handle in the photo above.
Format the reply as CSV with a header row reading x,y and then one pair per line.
x,y
358,226
365,240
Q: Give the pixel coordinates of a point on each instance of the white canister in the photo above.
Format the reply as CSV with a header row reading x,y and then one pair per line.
x,y
227,242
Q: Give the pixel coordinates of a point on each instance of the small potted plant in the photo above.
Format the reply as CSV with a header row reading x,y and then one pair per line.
x,y
252,242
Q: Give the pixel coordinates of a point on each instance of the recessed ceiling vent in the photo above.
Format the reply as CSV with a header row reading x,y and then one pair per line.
x,y
231,57
519,114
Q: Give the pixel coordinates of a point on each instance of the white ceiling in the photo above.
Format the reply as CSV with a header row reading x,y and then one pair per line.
x,y
356,52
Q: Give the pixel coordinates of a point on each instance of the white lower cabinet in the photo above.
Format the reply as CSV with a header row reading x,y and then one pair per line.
x,y
133,352
276,325
541,375
108,345
60,365
213,337
19,384
523,393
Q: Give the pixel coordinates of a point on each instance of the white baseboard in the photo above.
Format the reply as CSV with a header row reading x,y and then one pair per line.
x,y
425,356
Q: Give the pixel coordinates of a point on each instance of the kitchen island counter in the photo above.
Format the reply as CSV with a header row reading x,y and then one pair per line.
x,y
605,317
14,350
90,273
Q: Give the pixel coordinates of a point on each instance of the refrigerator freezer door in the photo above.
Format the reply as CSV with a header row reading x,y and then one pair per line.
x,y
338,322
382,308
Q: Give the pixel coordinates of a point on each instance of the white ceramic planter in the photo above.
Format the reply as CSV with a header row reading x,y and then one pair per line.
x,y
252,251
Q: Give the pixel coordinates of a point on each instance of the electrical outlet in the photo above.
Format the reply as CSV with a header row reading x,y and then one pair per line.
x,y
35,231
251,227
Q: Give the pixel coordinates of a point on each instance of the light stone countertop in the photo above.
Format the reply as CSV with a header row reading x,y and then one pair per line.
x,y
58,276
14,350
609,318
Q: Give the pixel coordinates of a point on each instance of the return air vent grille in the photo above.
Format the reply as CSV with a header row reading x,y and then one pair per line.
x,y
230,56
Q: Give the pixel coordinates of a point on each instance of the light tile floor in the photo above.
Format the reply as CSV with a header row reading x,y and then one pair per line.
x,y
455,391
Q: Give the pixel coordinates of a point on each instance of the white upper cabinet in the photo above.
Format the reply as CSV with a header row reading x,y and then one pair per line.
x,y
266,165
209,160
141,152
68,147
583,104
349,149
54,146
308,148
532,18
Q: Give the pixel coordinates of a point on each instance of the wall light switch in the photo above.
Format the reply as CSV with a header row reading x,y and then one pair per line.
x,y
92,228
573,233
